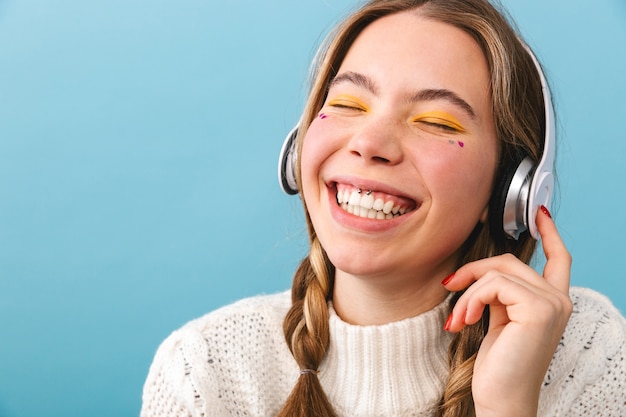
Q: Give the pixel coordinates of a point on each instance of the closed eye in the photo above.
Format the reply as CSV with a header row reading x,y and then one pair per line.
x,y
349,103
440,124
441,121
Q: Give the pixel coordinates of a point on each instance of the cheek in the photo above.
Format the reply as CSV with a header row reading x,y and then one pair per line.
x,y
459,169
324,137
317,147
312,148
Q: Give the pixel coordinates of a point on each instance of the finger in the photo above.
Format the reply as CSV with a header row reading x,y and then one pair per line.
x,y
499,294
556,272
473,271
494,291
510,299
558,259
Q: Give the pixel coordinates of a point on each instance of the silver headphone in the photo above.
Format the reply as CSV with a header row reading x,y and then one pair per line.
x,y
287,163
528,187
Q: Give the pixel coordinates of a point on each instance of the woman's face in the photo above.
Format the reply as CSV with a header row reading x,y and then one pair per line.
x,y
397,168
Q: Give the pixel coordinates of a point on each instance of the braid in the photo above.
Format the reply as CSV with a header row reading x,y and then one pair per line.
x,y
457,398
307,334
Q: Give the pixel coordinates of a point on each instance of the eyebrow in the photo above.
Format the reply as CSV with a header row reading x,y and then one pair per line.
x,y
357,79
443,94
368,84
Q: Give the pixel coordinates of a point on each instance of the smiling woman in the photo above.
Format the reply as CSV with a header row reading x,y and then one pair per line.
x,y
375,138
414,299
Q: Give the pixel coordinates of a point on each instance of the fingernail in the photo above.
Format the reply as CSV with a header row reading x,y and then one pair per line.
x,y
447,279
545,211
446,326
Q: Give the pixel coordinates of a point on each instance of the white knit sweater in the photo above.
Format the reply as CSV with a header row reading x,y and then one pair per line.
x,y
235,362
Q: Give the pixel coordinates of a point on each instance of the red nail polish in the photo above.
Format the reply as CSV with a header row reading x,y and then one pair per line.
x,y
447,279
448,323
545,211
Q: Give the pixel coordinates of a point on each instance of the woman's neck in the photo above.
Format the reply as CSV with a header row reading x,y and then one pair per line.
x,y
375,301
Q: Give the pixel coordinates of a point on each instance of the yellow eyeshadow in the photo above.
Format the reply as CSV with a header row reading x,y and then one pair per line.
x,y
440,117
348,101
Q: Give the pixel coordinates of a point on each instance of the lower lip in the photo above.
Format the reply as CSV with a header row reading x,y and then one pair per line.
x,y
362,223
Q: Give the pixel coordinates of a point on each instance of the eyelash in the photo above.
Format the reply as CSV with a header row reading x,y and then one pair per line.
x,y
440,124
346,104
443,126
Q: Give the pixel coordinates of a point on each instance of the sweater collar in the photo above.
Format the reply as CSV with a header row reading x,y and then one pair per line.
x,y
393,369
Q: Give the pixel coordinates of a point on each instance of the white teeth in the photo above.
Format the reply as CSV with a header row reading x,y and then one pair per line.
x,y
340,197
367,201
355,199
364,205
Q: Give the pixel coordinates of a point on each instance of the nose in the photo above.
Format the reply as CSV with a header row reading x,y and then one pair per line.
x,y
377,142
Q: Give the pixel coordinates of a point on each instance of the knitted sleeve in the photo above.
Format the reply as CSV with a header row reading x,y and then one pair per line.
x,y
587,376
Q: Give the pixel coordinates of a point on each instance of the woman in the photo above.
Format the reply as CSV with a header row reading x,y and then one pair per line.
x,y
417,113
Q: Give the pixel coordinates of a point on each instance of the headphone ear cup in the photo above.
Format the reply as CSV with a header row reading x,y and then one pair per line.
x,y
287,162
509,202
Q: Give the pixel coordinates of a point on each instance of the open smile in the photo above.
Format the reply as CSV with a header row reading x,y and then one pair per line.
x,y
372,204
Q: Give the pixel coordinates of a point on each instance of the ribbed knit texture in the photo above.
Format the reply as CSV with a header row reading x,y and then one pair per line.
x,y
401,367
235,362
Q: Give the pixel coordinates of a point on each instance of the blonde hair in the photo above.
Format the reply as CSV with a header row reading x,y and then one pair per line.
x,y
517,103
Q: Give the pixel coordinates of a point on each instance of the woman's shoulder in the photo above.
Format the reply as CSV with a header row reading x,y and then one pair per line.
x,y
258,313
595,318
587,374
590,298
261,307
596,330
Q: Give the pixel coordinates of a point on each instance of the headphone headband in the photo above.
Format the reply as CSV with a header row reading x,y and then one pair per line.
x,y
542,184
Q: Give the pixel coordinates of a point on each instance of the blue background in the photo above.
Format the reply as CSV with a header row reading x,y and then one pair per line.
x,y
138,148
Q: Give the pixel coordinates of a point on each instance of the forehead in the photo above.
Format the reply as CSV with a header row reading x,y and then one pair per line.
x,y
411,48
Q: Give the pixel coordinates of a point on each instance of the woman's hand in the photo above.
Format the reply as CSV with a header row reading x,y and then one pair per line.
x,y
528,314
